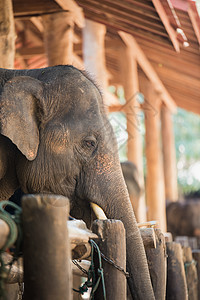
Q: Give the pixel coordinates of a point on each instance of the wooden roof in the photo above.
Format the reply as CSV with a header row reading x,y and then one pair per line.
x,y
161,30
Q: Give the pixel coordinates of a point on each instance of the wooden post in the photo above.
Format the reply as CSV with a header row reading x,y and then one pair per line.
x,y
155,189
129,75
190,273
7,35
169,155
156,259
94,52
46,248
196,256
12,291
148,237
176,281
112,244
58,38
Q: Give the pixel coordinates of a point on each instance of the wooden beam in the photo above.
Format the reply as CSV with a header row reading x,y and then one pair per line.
x,y
7,35
38,23
116,108
74,9
195,19
169,156
170,30
148,70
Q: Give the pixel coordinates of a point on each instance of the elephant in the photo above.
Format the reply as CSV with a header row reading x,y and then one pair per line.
x,y
183,218
56,139
131,178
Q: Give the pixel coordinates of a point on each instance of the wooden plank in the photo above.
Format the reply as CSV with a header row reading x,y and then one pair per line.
x,y
121,16
125,15
116,24
172,33
148,70
36,7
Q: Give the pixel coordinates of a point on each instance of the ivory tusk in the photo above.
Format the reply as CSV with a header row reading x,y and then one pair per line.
x,y
98,211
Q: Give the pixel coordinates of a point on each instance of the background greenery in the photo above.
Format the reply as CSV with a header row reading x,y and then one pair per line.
x,y
187,143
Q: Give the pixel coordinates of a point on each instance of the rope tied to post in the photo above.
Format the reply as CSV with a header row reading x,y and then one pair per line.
x,y
14,238
92,282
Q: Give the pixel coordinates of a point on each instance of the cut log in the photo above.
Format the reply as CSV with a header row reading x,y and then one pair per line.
x,y
190,273
196,256
156,259
46,248
148,237
113,245
176,281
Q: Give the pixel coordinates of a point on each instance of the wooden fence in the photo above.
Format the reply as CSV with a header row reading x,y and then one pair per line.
x,y
52,246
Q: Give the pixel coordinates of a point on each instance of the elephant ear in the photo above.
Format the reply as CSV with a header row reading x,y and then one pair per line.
x,y
21,104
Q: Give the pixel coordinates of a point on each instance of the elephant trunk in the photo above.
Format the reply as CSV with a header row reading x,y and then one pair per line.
x,y
118,206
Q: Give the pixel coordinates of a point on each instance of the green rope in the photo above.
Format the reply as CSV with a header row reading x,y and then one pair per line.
x,y
14,237
91,281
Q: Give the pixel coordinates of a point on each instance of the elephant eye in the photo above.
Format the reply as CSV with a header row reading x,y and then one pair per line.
x,y
90,143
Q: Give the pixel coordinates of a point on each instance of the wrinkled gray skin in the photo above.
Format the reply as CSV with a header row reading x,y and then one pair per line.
x,y
55,138
183,218
131,178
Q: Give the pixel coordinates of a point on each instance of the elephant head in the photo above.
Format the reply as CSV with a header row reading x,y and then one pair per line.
x,y
56,138
183,218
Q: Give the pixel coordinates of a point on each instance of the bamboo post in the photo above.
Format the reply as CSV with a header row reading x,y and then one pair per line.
x,y
129,75
169,155
112,243
190,273
155,189
46,248
58,38
196,256
156,259
7,35
176,281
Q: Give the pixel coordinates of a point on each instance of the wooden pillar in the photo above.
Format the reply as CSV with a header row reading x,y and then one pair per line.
x,y
46,248
155,189
112,244
94,52
7,35
129,72
169,156
58,38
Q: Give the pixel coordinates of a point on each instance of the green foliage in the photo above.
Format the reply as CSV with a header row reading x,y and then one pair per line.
x,y
187,143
